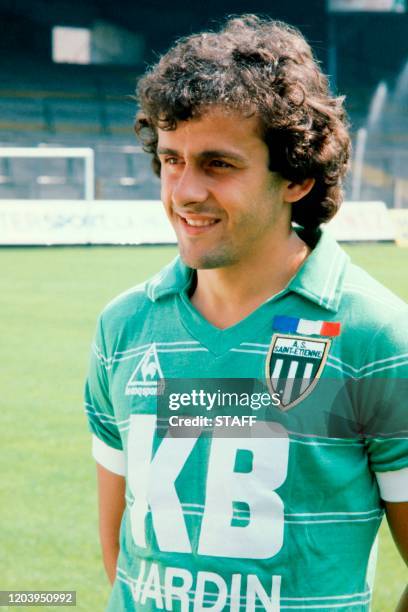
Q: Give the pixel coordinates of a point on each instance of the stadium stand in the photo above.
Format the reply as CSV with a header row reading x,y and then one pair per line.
x,y
92,106
82,106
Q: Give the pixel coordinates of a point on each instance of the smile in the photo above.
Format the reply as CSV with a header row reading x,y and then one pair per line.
x,y
195,223
198,222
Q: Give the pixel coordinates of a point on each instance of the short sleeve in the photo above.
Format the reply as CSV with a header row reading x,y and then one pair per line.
x,y
107,442
383,387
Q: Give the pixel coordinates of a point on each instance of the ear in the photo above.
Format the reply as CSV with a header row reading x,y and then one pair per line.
x,y
293,192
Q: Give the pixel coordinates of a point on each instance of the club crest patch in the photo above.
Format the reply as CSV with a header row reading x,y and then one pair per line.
x,y
294,365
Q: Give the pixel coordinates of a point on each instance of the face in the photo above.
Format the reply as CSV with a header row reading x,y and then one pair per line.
x,y
221,198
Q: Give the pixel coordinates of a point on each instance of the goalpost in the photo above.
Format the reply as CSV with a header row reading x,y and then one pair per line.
x,y
87,154
59,221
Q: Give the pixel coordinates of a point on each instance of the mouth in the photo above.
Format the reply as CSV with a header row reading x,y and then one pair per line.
x,y
197,224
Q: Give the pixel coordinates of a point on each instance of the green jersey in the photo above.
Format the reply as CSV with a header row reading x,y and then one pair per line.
x,y
285,521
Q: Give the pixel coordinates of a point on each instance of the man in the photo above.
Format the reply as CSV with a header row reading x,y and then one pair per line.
x,y
247,140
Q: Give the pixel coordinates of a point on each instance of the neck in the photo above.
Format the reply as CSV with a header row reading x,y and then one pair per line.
x,y
224,296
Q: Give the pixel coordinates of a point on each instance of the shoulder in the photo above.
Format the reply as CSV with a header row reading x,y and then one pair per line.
x,y
130,310
129,303
375,318
369,303
364,288
125,312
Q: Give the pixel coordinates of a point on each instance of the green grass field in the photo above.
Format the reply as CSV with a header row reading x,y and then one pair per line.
x,y
50,299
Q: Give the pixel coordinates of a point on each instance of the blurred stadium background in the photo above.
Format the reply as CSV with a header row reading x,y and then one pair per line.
x,y
68,73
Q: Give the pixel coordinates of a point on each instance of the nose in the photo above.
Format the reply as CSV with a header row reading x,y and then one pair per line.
x,y
190,187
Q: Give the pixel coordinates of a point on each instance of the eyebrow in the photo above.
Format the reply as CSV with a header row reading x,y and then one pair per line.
x,y
205,154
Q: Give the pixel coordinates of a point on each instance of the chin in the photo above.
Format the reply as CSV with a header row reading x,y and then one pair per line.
x,y
207,261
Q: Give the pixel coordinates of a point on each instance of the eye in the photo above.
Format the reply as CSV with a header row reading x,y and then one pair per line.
x,y
219,163
172,161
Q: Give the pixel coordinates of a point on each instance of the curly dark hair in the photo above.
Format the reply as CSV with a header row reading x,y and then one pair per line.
x,y
262,67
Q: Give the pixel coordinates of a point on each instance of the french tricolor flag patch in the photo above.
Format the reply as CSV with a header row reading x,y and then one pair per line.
x,y
293,325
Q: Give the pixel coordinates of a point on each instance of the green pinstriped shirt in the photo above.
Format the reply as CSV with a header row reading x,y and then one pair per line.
x,y
285,521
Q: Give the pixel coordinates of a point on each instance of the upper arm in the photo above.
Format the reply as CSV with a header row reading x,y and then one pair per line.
x,y
106,439
111,502
98,402
397,517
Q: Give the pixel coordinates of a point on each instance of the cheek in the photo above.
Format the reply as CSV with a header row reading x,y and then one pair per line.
x,y
166,201
230,195
169,179
165,189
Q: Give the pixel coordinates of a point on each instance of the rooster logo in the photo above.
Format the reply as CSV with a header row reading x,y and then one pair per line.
x,y
149,370
144,378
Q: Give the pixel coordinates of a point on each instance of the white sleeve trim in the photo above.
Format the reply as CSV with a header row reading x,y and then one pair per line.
x,y
108,457
393,485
